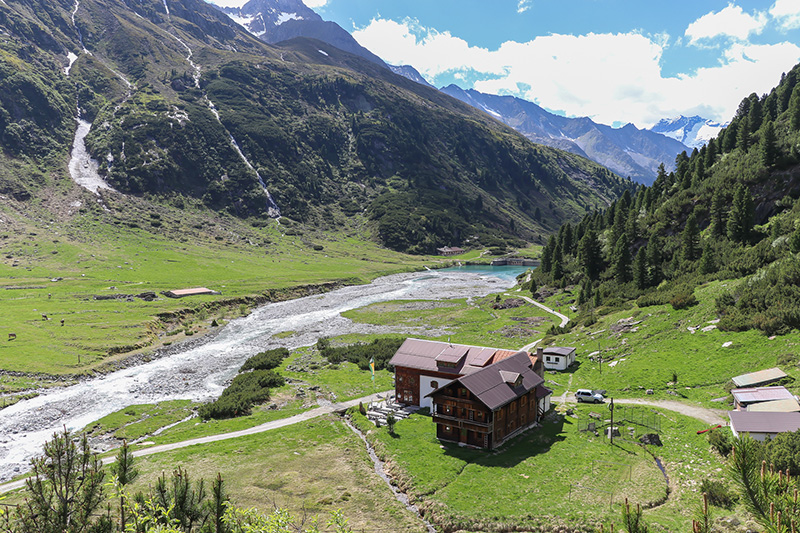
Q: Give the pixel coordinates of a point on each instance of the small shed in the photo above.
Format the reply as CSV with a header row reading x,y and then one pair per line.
x,y
556,357
761,425
762,377
743,399
181,293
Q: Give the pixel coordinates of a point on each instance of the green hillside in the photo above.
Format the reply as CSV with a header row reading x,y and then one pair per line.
x,y
729,212
329,134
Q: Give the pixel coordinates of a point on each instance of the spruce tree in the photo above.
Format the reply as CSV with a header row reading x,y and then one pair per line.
x,y
718,213
640,269
690,239
622,260
655,274
546,263
590,255
707,263
794,109
741,217
743,136
768,146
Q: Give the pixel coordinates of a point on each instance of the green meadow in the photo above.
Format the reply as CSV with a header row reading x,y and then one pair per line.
x,y
59,271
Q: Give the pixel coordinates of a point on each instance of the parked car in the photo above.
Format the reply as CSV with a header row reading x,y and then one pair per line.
x,y
589,396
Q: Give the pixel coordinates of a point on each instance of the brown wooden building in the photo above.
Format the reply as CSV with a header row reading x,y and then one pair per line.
x,y
422,366
491,405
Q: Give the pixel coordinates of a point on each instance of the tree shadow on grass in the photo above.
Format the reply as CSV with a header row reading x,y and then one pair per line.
x,y
530,443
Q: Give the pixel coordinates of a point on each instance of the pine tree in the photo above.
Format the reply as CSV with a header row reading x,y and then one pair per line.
x,y
655,274
690,239
768,145
622,260
65,489
640,269
620,219
590,255
756,115
718,213
743,136
125,471
741,217
794,108
729,140
547,255
707,263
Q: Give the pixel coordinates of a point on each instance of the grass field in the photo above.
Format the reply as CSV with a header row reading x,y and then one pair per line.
x,y
60,270
550,476
314,468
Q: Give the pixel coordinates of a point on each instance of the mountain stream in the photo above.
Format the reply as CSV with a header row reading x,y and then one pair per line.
x,y
199,370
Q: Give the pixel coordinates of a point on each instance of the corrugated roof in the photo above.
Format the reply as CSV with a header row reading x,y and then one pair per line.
x,y
788,405
761,422
452,354
757,378
542,391
761,394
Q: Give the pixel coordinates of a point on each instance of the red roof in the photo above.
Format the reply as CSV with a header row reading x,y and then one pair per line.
x,y
425,355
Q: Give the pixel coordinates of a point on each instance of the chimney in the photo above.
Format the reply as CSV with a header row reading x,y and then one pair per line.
x,y
539,352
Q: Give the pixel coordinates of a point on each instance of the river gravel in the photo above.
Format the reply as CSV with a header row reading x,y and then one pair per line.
x,y
199,370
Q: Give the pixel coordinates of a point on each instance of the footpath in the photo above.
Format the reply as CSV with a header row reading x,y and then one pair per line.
x,y
267,426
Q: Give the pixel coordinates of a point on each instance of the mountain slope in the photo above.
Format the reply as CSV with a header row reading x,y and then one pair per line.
x,y
184,104
274,21
627,151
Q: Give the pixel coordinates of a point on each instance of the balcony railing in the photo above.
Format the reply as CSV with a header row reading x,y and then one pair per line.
x,y
459,420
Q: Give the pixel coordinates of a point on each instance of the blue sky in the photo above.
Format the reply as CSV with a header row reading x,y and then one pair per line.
x,y
616,61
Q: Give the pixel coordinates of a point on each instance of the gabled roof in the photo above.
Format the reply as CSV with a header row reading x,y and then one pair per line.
x,y
490,384
758,378
426,355
760,422
761,394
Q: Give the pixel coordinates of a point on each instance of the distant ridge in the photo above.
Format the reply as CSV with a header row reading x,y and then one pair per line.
x,y
627,151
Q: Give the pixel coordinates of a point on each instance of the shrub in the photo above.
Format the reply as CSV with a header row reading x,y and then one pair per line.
x,y
720,441
718,493
381,350
682,300
265,360
244,391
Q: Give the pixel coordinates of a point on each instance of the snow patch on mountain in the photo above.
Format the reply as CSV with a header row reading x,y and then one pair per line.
x,y
694,131
285,17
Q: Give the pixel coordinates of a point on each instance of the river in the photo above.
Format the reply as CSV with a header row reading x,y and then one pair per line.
x,y
199,372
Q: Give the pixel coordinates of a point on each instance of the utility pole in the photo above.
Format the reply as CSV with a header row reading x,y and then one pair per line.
x,y
611,429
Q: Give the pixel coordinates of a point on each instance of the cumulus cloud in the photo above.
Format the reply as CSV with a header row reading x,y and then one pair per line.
x,y
523,6
609,77
730,22
315,3
787,13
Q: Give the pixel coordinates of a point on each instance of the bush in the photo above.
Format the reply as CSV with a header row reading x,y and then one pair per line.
x,y
265,360
682,300
381,350
720,441
718,493
244,391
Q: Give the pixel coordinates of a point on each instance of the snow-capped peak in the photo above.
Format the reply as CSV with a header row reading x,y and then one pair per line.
x,y
694,131
283,17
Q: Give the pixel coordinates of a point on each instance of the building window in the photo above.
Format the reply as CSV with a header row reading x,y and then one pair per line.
x,y
399,379
462,392
471,414
547,358
434,385
447,409
523,401
447,429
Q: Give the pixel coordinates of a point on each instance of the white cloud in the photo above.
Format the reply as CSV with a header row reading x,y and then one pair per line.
x,y
313,4
610,77
787,13
731,21
523,6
